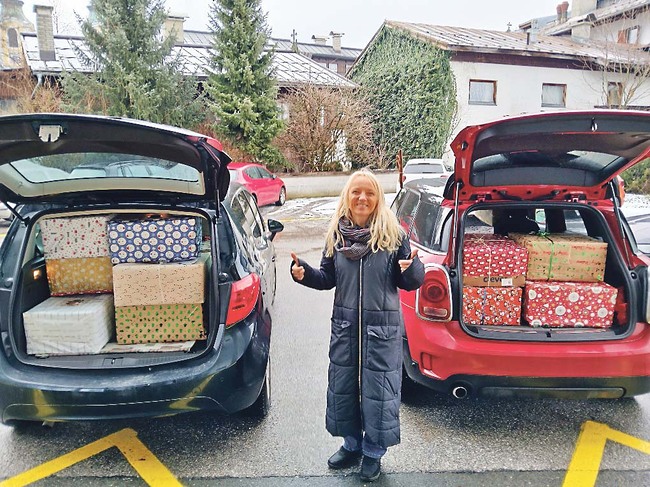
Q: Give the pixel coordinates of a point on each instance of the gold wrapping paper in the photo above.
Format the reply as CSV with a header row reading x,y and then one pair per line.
x,y
90,275
159,323
563,257
147,284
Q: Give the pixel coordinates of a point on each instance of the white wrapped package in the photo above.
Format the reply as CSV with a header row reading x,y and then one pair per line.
x,y
70,325
75,237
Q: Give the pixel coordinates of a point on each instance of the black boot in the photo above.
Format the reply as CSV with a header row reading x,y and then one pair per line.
x,y
370,469
344,458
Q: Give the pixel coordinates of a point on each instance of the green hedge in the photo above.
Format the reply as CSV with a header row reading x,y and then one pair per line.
x,y
637,179
411,88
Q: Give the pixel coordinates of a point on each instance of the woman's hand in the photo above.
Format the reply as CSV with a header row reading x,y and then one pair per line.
x,y
298,271
405,263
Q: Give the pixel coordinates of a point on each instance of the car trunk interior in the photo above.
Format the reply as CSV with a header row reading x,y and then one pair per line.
x,y
35,287
548,223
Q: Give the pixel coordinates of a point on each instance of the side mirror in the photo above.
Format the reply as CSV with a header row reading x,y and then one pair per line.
x,y
274,227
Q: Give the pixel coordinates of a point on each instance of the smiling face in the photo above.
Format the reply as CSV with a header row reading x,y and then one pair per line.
x,y
362,200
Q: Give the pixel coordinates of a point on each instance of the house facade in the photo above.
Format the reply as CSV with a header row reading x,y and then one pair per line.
x,y
536,69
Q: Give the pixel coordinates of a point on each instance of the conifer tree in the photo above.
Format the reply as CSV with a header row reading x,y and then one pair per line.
x,y
241,88
135,73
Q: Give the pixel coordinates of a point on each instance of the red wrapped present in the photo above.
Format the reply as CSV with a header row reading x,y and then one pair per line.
x,y
569,304
492,305
493,261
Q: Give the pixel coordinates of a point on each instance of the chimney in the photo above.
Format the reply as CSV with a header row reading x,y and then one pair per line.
x,y
531,35
562,12
320,40
583,7
45,32
174,27
336,40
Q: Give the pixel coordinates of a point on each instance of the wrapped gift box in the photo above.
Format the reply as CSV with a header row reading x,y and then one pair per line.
x,y
563,257
154,240
492,305
493,261
69,325
159,323
144,284
90,275
569,304
75,237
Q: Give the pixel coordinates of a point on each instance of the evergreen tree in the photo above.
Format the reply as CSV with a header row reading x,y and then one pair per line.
x,y
241,88
135,73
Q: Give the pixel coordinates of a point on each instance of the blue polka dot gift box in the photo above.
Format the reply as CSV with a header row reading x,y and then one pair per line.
x,y
155,240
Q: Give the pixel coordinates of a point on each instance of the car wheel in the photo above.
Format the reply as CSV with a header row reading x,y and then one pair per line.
x,y
282,197
260,408
410,389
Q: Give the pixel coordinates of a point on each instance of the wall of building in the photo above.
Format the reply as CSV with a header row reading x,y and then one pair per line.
x,y
609,32
519,91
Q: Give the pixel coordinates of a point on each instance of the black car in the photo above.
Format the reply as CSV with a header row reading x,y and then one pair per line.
x,y
173,317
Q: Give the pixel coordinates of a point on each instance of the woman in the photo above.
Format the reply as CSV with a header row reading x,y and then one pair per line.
x,y
367,257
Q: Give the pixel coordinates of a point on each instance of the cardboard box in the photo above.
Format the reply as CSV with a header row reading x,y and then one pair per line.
x,y
154,240
569,304
492,305
159,323
69,325
90,275
145,284
493,261
563,257
75,237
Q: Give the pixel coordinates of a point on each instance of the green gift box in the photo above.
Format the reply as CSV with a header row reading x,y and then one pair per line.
x,y
159,323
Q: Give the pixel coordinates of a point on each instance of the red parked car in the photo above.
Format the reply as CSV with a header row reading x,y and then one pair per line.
x,y
558,172
266,187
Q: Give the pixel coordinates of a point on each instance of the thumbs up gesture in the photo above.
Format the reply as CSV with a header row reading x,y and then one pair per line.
x,y
297,271
405,263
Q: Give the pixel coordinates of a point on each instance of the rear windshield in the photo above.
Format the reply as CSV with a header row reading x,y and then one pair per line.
x,y
575,167
93,165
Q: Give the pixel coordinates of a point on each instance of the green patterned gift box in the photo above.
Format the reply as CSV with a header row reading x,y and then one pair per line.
x,y
159,323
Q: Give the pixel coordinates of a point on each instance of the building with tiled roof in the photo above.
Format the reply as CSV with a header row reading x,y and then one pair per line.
x,y
498,74
48,54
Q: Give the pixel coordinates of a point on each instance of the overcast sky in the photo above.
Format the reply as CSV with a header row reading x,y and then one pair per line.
x,y
357,19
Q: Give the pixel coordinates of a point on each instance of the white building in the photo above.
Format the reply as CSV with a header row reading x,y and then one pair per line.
x,y
593,58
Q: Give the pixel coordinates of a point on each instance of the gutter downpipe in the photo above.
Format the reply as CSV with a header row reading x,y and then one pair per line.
x,y
39,83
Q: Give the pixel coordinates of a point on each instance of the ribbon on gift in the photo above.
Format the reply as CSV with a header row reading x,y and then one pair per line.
x,y
546,235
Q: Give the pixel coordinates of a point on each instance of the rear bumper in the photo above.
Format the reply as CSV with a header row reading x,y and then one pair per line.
x,y
442,356
228,381
464,385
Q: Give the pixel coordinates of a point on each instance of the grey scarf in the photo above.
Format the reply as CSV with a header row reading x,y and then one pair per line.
x,y
355,240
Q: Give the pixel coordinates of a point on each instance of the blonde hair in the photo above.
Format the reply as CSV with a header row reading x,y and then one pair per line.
x,y
385,232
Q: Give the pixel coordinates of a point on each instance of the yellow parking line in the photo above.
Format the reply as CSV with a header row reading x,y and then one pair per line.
x,y
585,464
152,471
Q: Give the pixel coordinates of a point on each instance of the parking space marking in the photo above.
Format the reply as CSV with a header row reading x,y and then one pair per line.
x,y
145,463
585,464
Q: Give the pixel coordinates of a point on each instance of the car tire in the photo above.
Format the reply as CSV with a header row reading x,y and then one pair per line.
x,y
410,389
260,408
282,197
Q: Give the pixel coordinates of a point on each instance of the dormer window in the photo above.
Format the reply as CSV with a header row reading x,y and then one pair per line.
x,y
629,36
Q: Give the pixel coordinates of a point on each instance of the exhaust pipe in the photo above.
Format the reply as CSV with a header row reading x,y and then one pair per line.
x,y
460,392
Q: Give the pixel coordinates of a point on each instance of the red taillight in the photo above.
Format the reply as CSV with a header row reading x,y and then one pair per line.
x,y
403,178
243,298
433,298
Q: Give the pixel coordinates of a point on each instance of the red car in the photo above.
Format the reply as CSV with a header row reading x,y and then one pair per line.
x,y
558,173
266,187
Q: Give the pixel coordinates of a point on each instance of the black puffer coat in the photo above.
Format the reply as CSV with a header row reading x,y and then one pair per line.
x,y
366,304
